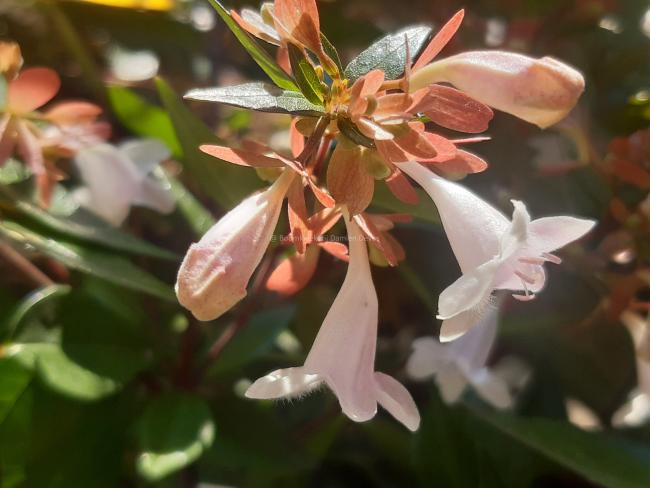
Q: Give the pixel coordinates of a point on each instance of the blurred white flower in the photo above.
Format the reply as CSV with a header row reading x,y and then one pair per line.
x,y
462,362
117,178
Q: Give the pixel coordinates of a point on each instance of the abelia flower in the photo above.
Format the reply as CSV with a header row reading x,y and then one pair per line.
x,y
343,353
462,363
68,125
116,178
494,252
215,272
540,91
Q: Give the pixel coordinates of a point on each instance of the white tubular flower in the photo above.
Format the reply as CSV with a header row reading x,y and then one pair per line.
x,y
462,363
540,91
494,253
117,178
343,354
215,272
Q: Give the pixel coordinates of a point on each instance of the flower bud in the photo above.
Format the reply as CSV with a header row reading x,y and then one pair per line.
x,y
216,270
540,91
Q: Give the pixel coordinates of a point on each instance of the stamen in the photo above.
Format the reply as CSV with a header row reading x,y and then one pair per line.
x,y
525,279
534,261
552,258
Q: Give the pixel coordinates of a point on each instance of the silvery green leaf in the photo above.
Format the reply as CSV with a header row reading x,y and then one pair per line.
x,y
257,96
389,53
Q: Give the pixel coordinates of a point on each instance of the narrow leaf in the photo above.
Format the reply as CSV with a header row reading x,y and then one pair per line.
x,y
306,76
258,96
261,57
91,261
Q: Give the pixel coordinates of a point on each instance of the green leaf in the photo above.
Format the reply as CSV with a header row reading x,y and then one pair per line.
x,y
306,76
104,265
601,458
261,57
15,419
14,379
331,51
13,171
33,305
258,96
61,374
389,53
84,226
143,118
173,432
226,183
425,210
196,215
254,340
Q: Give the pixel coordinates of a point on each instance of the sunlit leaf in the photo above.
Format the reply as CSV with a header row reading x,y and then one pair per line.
x,y
173,432
257,96
163,5
143,118
389,53
306,76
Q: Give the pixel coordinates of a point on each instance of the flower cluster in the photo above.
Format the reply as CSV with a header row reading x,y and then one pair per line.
x,y
379,125
114,177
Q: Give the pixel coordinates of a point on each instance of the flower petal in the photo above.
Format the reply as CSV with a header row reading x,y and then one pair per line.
x,y
294,272
75,112
451,383
146,154
492,388
440,40
289,382
241,157
32,89
396,399
551,233
427,359
540,91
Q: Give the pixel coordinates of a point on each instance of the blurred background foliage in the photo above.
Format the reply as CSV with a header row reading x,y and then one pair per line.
x,y
106,381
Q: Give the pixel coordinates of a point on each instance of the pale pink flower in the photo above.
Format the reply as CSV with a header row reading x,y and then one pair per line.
x,y
343,354
116,178
216,270
494,253
540,91
462,363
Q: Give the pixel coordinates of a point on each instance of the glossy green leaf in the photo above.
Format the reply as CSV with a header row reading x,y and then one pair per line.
x,y
33,305
389,53
104,265
603,459
331,51
261,57
254,340
172,433
143,118
61,374
425,210
226,183
84,226
306,76
258,96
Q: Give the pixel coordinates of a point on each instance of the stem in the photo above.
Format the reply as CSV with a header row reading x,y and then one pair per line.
x,y
314,141
24,266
